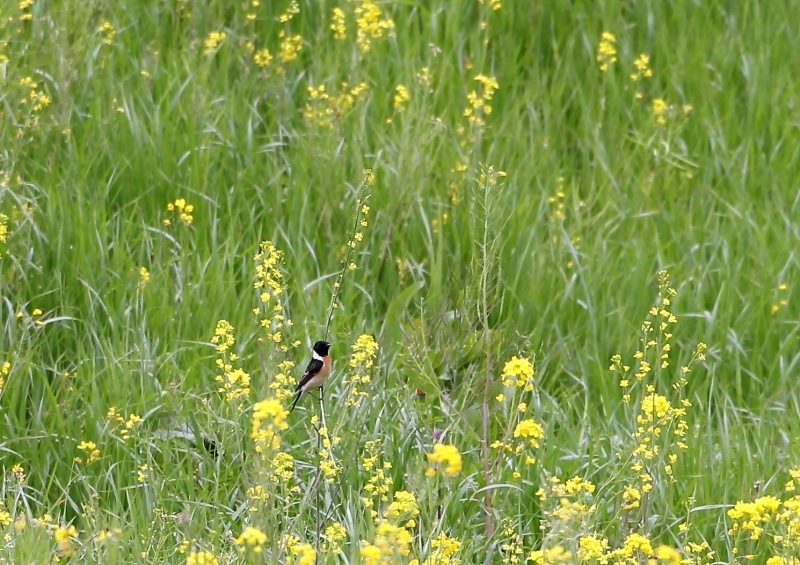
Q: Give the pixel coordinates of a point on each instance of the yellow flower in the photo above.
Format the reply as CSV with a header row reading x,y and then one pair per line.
x,y
290,46
338,24
63,537
3,230
303,554
371,554
144,277
262,57
592,547
107,31
529,429
660,108
212,42
606,51
447,455
183,211
517,372
401,98
269,418
201,558
370,24
251,538
404,504
642,64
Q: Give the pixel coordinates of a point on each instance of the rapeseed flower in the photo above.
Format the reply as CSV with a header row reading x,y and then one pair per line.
x,y
3,232
201,558
401,98
269,419
606,51
63,536
446,455
338,24
371,24
213,41
251,539
107,31
182,210
518,372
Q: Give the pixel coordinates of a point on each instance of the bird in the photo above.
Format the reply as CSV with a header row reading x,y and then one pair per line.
x,y
317,371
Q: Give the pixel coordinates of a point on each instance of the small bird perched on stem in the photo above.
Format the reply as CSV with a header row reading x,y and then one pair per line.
x,y
317,371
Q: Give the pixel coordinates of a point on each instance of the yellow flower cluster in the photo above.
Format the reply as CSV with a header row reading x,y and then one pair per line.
x,y
182,210
446,456
326,110
390,542
529,430
362,359
379,483
3,232
234,382
328,465
201,558
606,51
403,508
518,372
269,284
64,536
5,369
511,548
262,57
643,71
251,539
301,554
290,46
126,425
371,24
338,26
25,8
282,468
567,506
779,303
401,98
443,552
555,554
90,448
478,106
636,548
291,11
334,535
269,419
772,519
36,98
212,42
661,425
107,31
144,278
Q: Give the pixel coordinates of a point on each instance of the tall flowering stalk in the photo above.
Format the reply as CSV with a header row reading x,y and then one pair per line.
x,y
660,419
356,237
272,317
234,383
361,363
326,467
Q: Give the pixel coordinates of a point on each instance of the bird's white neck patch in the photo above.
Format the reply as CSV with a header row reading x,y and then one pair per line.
x,y
315,355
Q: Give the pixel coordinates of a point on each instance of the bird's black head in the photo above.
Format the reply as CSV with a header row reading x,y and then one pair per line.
x,y
321,348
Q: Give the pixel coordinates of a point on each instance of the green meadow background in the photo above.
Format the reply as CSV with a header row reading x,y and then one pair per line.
x,y
526,219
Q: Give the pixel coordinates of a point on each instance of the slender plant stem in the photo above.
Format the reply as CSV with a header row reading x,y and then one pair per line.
x,y
337,287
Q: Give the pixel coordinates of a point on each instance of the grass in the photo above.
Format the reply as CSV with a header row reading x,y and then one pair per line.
x,y
537,229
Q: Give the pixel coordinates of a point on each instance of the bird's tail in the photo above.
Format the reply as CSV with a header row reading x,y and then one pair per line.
x,y
296,400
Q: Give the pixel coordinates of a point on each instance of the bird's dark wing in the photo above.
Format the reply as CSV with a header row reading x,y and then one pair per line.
x,y
313,368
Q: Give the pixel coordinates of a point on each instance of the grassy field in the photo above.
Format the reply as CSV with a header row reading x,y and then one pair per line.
x,y
553,244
